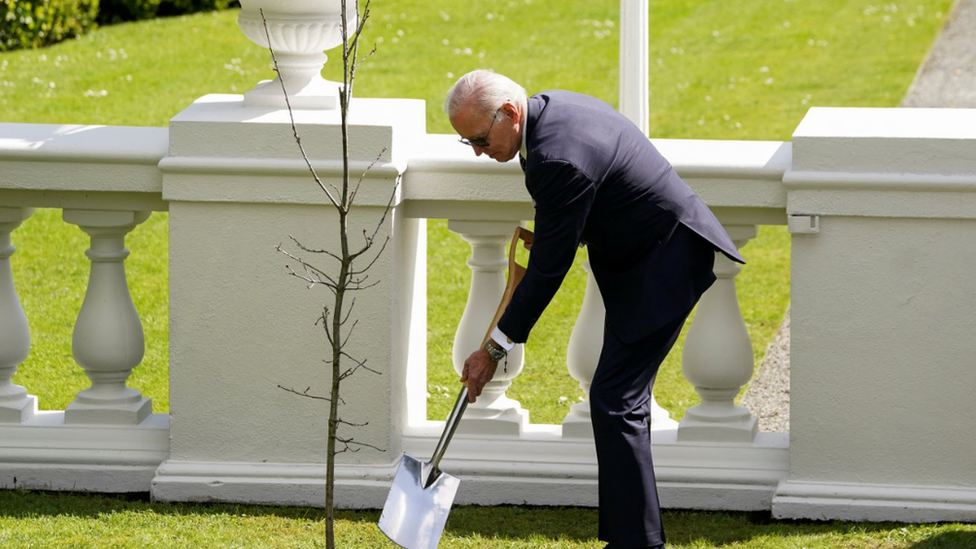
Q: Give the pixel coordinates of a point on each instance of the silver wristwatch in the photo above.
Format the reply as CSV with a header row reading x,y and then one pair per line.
x,y
495,353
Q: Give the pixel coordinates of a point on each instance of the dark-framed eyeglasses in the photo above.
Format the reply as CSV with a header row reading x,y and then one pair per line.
x,y
481,141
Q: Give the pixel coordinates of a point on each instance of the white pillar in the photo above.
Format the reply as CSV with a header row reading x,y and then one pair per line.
x,y
717,357
108,341
494,412
16,406
634,36
585,344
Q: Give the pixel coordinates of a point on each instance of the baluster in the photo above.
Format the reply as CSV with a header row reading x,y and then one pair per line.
x,y
717,357
494,412
108,341
16,406
585,344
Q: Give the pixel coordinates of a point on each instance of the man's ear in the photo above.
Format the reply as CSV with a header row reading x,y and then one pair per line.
x,y
511,111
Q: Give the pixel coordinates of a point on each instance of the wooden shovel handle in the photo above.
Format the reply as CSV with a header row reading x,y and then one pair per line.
x,y
515,274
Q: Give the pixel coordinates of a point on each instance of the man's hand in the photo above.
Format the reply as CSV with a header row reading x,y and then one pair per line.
x,y
479,368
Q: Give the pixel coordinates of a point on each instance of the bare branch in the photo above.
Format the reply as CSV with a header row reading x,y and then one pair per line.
x,y
378,254
349,334
348,313
348,444
355,191
314,251
324,318
291,117
309,270
361,288
354,41
304,393
352,371
386,212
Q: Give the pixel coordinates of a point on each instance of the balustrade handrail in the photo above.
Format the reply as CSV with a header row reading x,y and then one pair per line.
x,y
443,174
85,167
440,170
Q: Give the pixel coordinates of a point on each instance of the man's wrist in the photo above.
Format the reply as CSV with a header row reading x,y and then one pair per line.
x,y
495,351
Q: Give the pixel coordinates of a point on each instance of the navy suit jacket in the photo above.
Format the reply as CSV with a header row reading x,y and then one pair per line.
x,y
596,179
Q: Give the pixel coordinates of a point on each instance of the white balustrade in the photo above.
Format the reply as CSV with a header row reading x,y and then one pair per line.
x,y
494,412
582,356
717,357
16,406
299,31
108,340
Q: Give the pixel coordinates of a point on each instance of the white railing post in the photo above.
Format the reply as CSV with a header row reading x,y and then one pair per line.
x,y
16,406
582,356
108,341
717,357
634,84
494,412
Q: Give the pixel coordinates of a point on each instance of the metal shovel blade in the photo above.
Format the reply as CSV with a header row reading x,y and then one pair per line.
x,y
414,515
421,495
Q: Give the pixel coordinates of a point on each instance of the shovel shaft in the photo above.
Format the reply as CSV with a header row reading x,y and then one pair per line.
x,y
450,426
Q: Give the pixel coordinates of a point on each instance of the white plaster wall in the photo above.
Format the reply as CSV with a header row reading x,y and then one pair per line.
x,y
882,352
241,326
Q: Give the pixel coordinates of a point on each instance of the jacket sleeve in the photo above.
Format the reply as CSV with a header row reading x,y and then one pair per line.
x,y
563,196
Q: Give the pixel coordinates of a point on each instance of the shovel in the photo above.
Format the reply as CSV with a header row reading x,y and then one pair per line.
x,y
421,495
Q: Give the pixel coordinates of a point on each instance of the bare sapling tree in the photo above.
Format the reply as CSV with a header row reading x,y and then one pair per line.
x,y
351,263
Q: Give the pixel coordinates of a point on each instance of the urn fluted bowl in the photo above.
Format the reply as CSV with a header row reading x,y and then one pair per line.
x,y
298,32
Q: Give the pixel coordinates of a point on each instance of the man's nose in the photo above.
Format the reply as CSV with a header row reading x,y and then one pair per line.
x,y
478,150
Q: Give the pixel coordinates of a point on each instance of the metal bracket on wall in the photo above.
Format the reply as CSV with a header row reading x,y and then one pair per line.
x,y
803,223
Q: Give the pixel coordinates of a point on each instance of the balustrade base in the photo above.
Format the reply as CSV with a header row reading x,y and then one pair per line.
x,y
485,421
46,454
133,413
736,427
538,468
579,426
357,486
577,423
873,502
19,410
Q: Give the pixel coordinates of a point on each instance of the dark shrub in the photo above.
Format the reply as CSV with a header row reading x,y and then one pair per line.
x,y
178,7
115,11
37,23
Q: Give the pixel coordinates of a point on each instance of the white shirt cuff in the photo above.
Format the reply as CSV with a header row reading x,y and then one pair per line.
x,y
502,339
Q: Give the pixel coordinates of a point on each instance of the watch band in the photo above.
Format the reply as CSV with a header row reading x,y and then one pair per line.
x,y
495,353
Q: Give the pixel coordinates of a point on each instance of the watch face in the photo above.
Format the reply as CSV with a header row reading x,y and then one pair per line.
x,y
493,352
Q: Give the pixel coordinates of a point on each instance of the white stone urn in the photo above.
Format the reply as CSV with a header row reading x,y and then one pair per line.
x,y
300,30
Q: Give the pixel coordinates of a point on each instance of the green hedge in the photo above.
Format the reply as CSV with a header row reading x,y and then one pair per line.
x,y
37,23
115,11
177,7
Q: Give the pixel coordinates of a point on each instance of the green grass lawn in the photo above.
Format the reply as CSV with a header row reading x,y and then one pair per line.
x,y
71,521
719,70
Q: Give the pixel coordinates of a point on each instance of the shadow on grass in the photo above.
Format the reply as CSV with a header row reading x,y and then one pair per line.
x,y
948,540
706,529
545,525
25,504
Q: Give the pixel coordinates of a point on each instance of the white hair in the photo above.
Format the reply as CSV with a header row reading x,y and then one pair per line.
x,y
486,88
